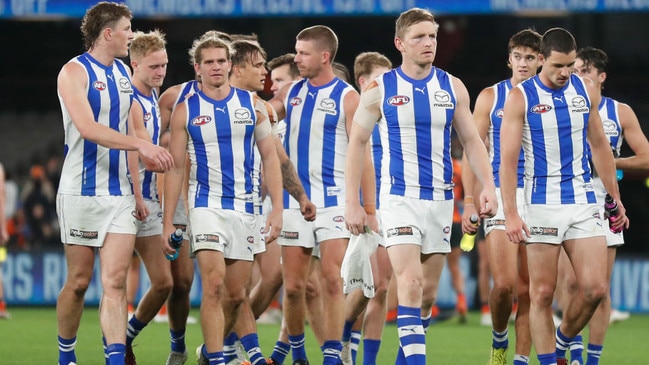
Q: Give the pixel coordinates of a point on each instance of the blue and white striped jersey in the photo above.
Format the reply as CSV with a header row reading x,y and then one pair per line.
x,y
187,88
500,91
316,140
377,155
90,169
415,130
554,140
608,112
220,145
151,114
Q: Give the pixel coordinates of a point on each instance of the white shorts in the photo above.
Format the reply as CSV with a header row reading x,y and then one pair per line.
x,y
498,220
152,225
426,223
260,238
612,239
228,231
85,220
329,224
557,223
378,218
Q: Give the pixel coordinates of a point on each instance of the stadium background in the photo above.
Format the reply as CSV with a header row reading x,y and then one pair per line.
x,y
39,36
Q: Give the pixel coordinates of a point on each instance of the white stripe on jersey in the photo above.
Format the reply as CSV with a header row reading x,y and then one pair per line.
x,y
554,141
415,129
151,114
186,89
90,169
220,146
316,140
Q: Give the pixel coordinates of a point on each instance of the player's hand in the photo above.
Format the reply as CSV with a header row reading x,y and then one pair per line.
x,y
4,236
468,226
141,210
273,226
308,209
166,248
488,203
355,218
372,222
621,221
517,231
155,158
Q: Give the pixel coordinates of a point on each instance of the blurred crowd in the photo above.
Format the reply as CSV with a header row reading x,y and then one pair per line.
x,y
31,202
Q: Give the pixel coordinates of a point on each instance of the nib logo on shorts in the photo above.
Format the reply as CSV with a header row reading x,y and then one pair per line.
x,y
544,231
400,231
214,238
291,235
89,235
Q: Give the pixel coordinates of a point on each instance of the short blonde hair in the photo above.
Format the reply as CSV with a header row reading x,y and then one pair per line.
x,y
145,43
411,17
366,62
211,43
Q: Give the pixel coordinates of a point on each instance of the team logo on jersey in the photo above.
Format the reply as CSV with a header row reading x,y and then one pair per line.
x,y
79,233
250,239
295,101
339,219
540,108
209,237
446,229
125,85
99,85
398,100
201,120
327,106
442,100
242,117
544,231
400,231
499,113
610,128
579,105
147,117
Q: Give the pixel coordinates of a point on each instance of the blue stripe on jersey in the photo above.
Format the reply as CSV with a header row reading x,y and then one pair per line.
x,y
580,87
202,172
566,150
226,155
248,145
115,155
445,84
189,87
88,184
329,145
398,186
423,139
377,156
540,158
303,148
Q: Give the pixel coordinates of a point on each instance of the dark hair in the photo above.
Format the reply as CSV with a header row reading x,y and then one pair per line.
x,y
525,38
285,59
593,57
99,17
558,40
243,51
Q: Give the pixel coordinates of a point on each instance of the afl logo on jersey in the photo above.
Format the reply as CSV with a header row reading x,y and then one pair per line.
x,y
201,120
295,101
398,100
499,113
540,108
99,85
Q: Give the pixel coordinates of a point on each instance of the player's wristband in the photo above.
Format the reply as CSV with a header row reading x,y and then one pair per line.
x,y
370,209
468,200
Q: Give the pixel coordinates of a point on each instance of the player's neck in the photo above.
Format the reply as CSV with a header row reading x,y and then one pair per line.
x,y
416,71
323,77
217,92
517,80
102,55
143,88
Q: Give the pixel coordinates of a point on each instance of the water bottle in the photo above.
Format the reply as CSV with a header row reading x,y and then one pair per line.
x,y
468,240
611,212
175,241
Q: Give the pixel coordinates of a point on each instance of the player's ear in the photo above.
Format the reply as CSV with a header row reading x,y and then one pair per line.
x,y
398,43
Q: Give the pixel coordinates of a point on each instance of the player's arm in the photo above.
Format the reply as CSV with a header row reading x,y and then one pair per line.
x,y
174,177
475,150
272,176
602,154
511,132
136,128
367,114
166,103
472,188
71,83
636,140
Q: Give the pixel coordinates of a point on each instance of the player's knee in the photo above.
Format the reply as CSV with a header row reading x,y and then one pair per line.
x,y
543,295
595,293
294,289
78,285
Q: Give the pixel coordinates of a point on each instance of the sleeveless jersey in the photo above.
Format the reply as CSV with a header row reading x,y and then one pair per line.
x,y
88,168
151,113
608,112
554,140
415,130
256,174
316,140
220,146
377,155
500,91
187,88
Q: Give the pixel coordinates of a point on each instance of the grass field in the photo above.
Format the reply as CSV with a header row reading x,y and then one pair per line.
x,y
30,338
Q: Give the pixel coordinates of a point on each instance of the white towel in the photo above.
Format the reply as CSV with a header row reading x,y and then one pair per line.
x,y
356,268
